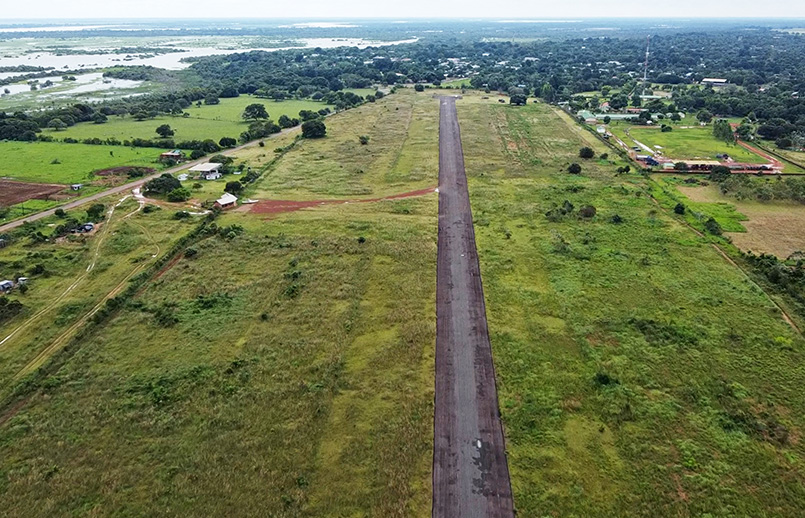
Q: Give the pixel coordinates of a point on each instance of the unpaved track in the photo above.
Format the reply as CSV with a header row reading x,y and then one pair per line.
x,y
470,474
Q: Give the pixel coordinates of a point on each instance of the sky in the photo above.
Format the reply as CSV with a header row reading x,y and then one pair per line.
x,y
322,9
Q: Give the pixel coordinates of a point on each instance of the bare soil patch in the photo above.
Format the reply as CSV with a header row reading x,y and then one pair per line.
x,y
773,228
12,192
280,206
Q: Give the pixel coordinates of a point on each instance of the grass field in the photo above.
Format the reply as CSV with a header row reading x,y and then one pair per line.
x,y
401,156
205,122
285,370
639,373
34,161
682,143
771,228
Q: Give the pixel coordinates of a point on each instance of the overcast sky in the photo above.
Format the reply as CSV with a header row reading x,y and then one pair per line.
x,y
535,9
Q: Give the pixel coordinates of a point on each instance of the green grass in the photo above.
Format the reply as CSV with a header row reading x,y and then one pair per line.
x,y
639,373
401,156
294,380
33,161
205,122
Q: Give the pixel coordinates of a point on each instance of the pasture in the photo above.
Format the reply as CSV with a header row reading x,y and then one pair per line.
x,y
205,121
55,162
295,381
639,373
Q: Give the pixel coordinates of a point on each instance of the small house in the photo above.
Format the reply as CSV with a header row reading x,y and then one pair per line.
x,y
714,81
176,155
227,201
208,171
76,186
6,286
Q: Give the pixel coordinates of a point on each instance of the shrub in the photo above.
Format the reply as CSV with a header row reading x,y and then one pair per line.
x,y
419,88
364,139
60,213
586,153
712,226
574,169
314,129
179,194
679,209
588,211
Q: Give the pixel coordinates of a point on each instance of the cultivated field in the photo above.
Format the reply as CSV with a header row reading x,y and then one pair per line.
x,y
639,373
12,193
285,368
54,162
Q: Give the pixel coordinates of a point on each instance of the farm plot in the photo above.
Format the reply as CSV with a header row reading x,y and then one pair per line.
x,y
12,193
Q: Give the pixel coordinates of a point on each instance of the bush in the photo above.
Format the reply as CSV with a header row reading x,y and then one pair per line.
x,y
679,209
586,153
190,252
179,194
314,129
712,226
182,214
419,88
587,212
196,154
60,213
574,169
364,139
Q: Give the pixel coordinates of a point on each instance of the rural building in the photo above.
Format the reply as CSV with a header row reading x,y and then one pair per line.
x,y
587,116
76,186
208,171
714,81
176,155
227,201
6,286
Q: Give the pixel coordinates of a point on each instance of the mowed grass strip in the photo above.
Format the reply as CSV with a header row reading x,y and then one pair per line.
x,y
55,162
639,373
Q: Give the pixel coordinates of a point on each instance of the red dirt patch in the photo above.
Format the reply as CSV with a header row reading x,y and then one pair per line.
x,y
280,206
12,192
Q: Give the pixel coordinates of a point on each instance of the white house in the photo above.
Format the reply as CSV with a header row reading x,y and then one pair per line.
x,y
227,201
208,171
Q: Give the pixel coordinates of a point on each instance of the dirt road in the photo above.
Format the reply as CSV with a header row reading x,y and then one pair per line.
x,y
470,473
129,186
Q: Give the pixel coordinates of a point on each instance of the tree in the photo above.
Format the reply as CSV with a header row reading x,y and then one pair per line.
x,y
586,153
286,122
95,211
676,117
637,100
679,209
618,102
680,166
363,139
233,187
57,124
99,118
419,88
783,142
547,93
165,131
574,169
227,142
607,119
712,226
704,116
720,173
211,98
723,131
179,194
255,111
163,184
314,129
518,99
60,213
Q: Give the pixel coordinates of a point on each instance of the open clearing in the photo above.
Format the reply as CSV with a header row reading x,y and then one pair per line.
x,y
771,228
12,193
205,122
639,374
285,369
54,162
